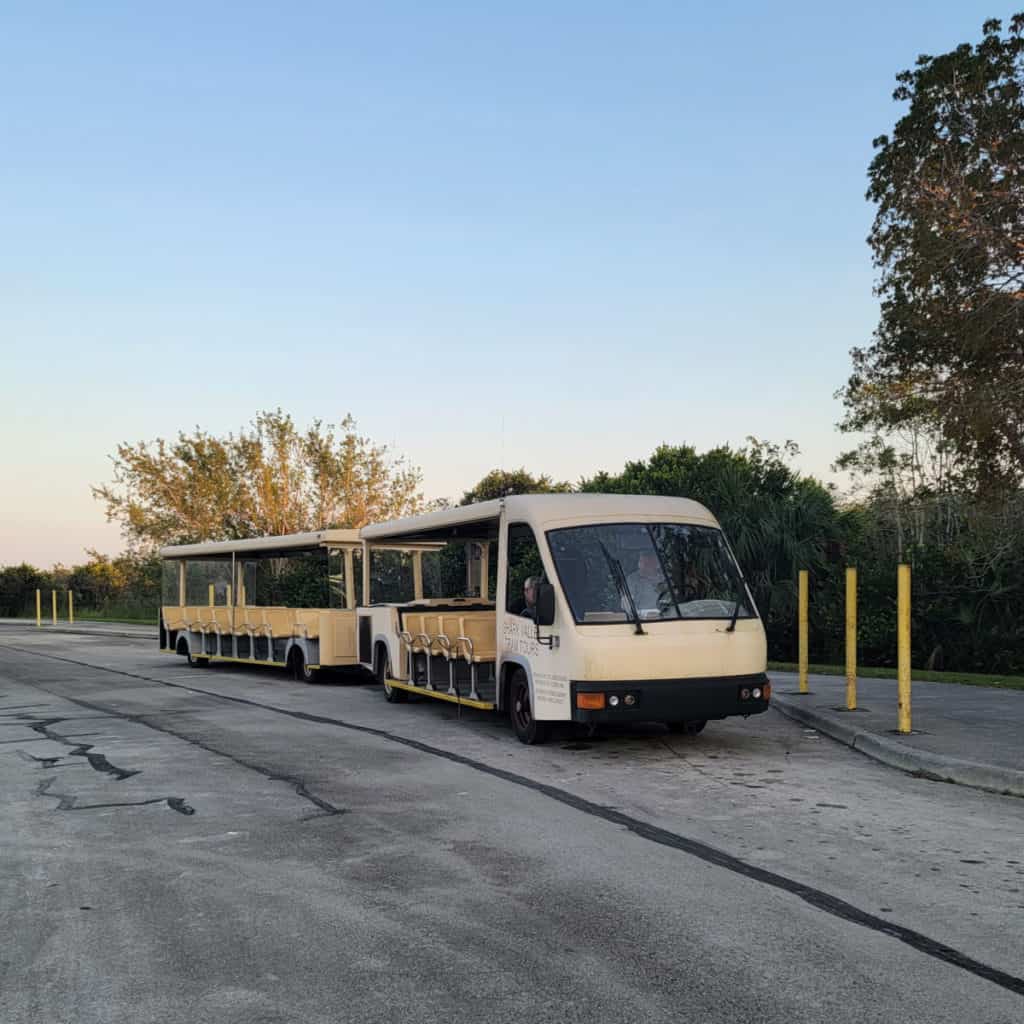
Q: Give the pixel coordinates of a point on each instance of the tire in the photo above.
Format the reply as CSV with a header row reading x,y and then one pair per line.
x,y
527,729
688,728
301,672
190,658
392,694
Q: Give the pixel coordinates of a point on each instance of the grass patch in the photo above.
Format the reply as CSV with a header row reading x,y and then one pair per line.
x,y
999,682
114,616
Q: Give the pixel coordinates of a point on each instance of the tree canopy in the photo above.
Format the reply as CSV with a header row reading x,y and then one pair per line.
x,y
500,483
777,521
947,357
268,479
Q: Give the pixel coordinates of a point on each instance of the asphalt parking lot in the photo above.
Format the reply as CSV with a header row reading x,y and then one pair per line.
x,y
184,844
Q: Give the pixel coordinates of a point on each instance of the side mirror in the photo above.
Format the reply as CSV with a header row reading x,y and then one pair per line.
x,y
545,604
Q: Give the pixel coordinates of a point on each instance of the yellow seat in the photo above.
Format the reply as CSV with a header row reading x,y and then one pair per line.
x,y
279,622
274,625
478,640
477,643
174,617
415,640
449,630
248,622
434,645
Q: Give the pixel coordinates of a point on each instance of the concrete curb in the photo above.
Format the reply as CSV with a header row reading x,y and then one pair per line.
x,y
987,777
97,632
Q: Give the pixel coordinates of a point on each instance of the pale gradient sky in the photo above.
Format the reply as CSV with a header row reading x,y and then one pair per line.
x,y
610,225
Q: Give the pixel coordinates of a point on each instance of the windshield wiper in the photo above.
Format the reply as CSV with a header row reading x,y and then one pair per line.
x,y
623,587
736,611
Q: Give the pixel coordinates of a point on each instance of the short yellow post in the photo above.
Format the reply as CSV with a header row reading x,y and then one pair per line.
x,y
903,647
211,595
39,608
851,639
71,606
53,595
802,635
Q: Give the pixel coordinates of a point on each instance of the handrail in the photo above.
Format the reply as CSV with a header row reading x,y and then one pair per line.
x,y
426,647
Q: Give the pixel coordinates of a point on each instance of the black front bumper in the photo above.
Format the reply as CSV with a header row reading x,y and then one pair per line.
x,y
672,700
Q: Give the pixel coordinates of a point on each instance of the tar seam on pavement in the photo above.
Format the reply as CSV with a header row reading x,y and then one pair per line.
x,y
97,762
69,803
710,854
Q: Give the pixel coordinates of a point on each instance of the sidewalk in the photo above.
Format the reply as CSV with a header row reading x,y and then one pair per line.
x,y
86,627
972,735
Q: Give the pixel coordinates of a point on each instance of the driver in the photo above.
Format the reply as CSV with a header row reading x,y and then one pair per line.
x,y
647,584
529,609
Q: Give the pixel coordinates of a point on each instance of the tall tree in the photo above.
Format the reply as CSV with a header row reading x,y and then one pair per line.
x,y
947,357
500,483
269,479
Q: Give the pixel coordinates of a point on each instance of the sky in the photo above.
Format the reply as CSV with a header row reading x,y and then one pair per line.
x,y
545,234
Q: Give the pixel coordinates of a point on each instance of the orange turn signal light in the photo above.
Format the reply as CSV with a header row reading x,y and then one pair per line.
x,y
590,701
766,691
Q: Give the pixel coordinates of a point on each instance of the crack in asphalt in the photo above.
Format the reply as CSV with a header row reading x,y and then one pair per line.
x,y
817,898
66,802
97,762
100,763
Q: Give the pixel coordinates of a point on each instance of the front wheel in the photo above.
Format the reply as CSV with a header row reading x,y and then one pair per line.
x,y
527,729
197,662
688,728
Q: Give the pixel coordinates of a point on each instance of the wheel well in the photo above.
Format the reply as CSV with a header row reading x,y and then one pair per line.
x,y
508,670
182,646
380,650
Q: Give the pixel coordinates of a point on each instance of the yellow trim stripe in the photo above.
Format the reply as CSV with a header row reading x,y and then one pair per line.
x,y
241,661
483,705
245,661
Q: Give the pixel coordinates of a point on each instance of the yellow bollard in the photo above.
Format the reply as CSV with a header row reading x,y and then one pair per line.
x,y
71,606
39,609
851,639
53,594
802,635
903,647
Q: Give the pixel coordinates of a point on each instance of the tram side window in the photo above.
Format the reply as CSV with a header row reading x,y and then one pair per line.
x,y
523,563
201,575
169,595
391,576
295,579
452,571
336,578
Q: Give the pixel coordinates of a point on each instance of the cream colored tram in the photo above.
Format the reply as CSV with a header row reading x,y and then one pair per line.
x,y
287,601
566,607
